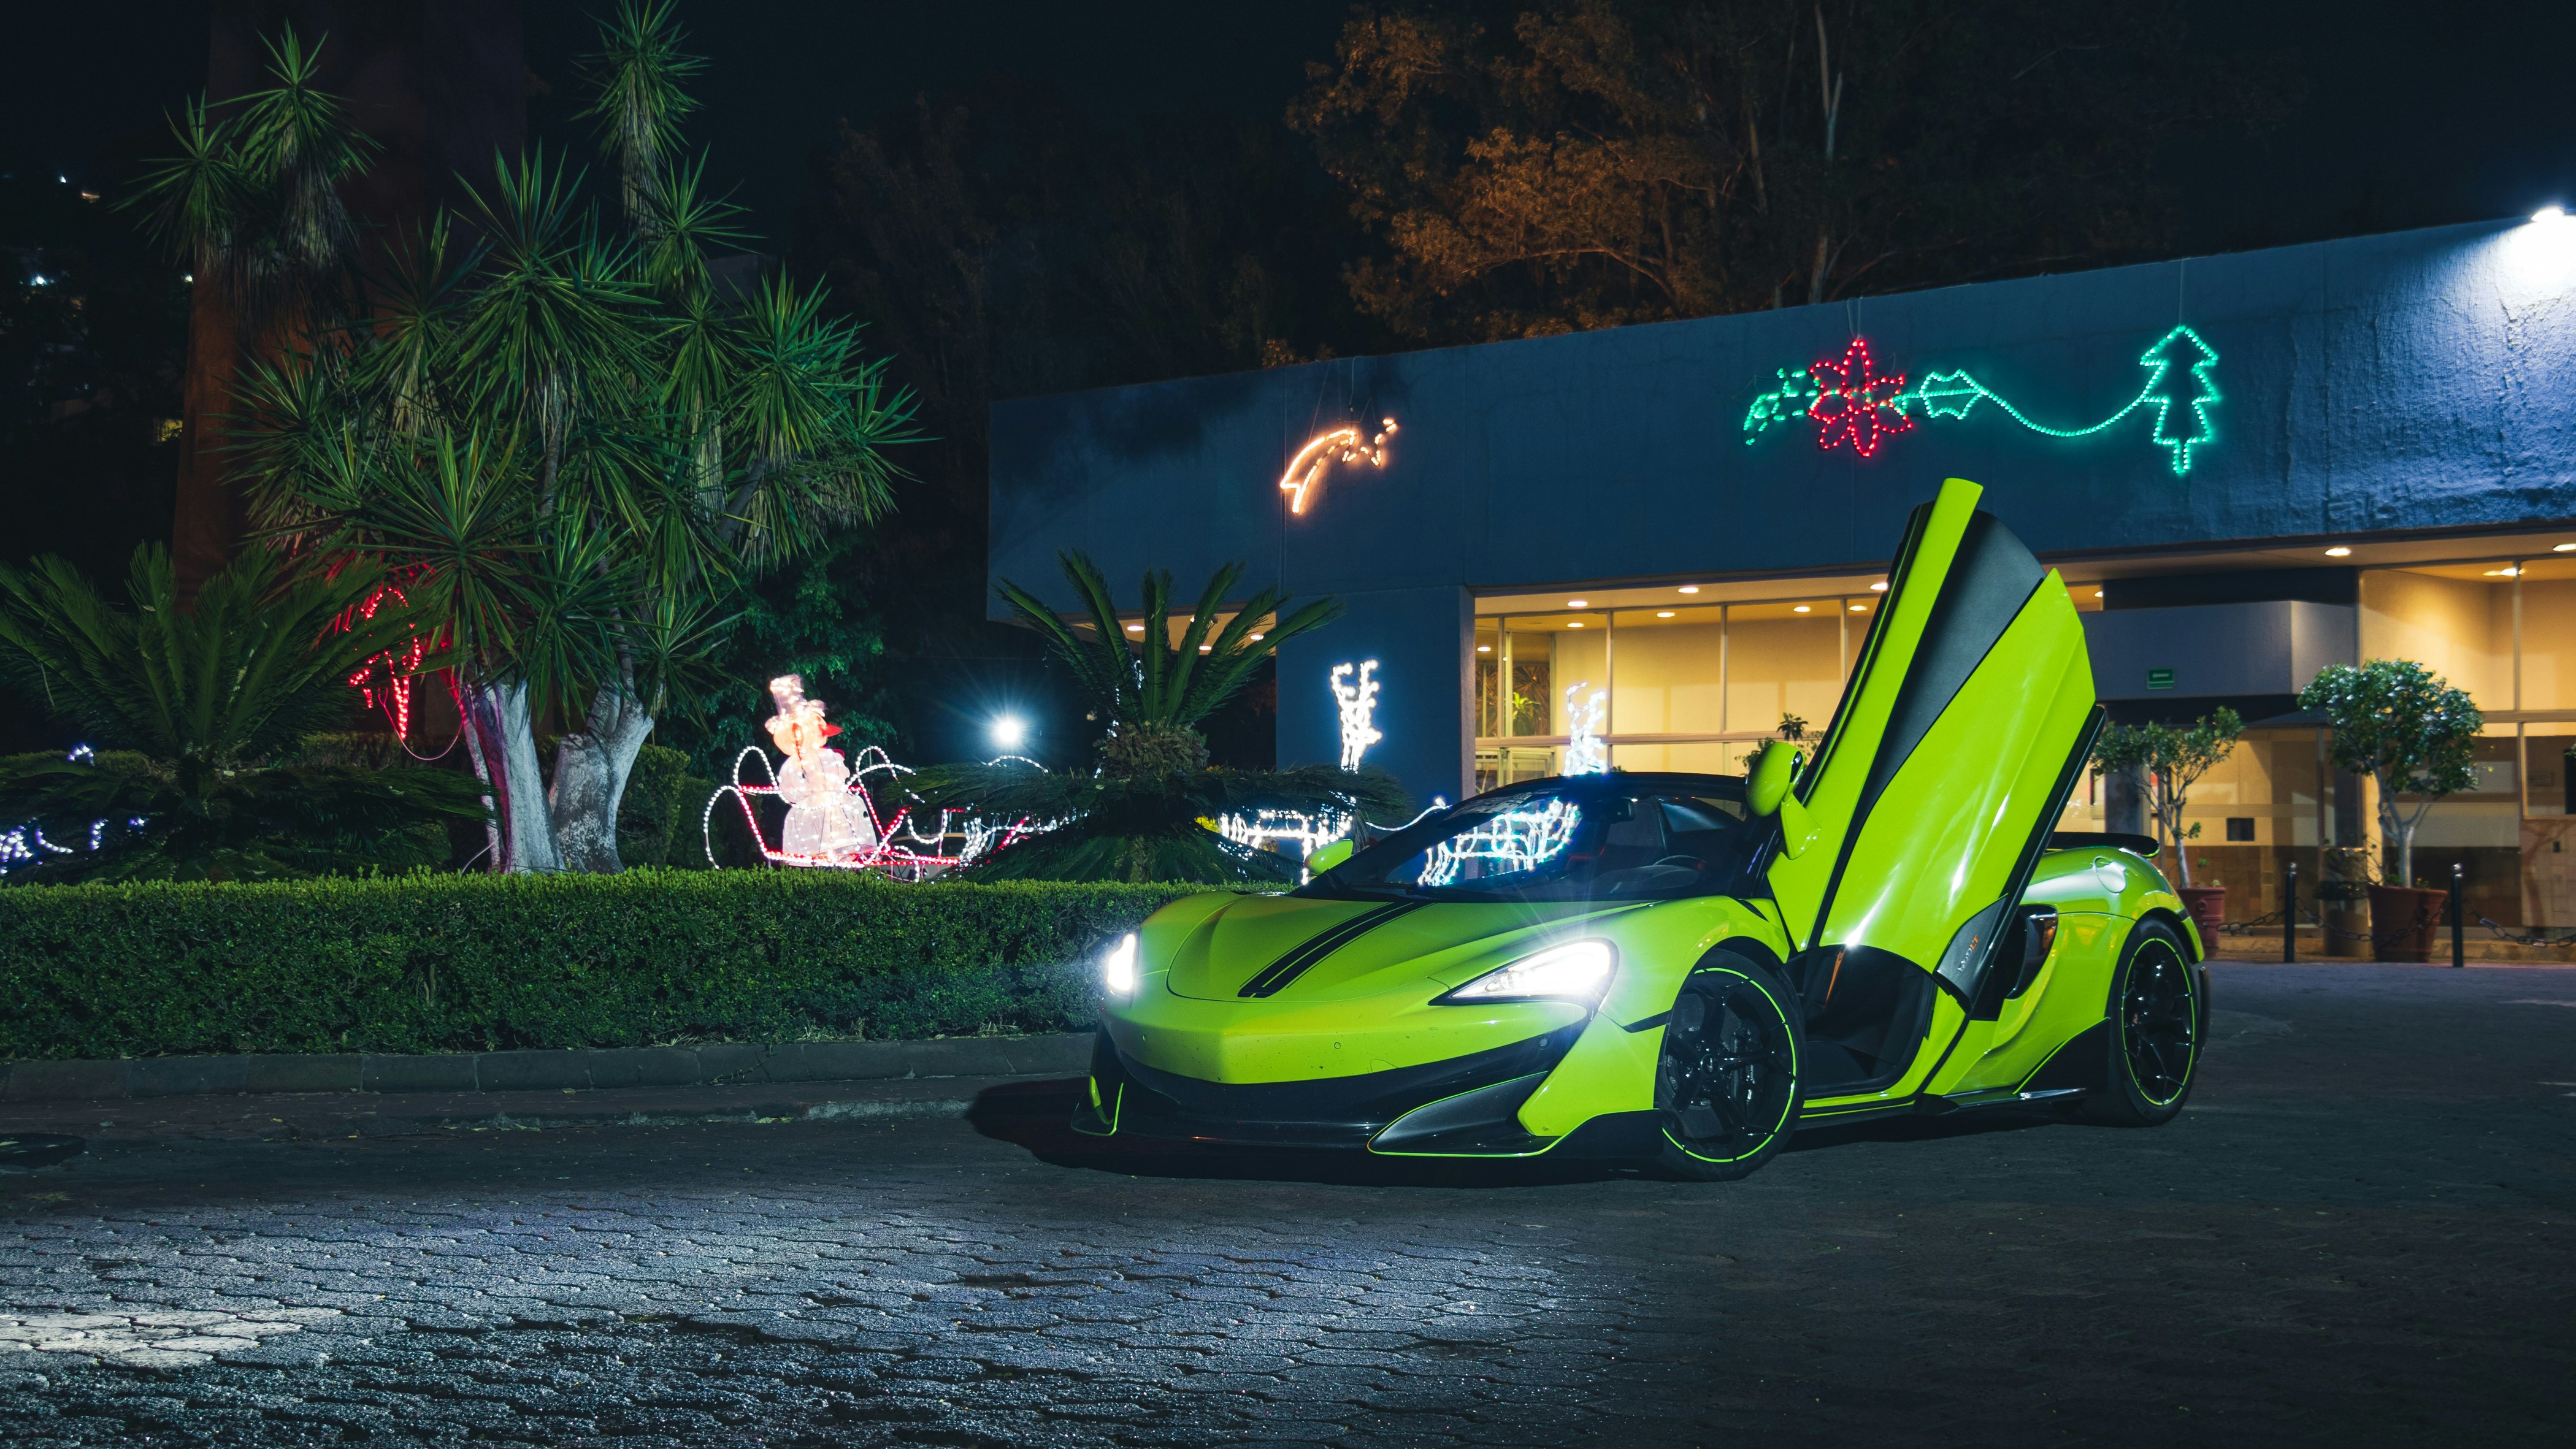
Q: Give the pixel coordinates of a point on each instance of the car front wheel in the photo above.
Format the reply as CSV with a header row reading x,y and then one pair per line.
x,y
1729,1083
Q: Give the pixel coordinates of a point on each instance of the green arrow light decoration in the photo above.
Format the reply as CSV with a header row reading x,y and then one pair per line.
x,y
2179,396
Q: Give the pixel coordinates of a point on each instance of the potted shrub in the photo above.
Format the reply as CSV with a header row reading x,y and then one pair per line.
x,y
2406,728
2172,760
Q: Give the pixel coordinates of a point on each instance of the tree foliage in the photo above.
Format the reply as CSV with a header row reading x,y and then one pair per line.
x,y
200,709
1159,682
570,443
1529,170
1142,815
1001,244
252,200
2405,727
2171,759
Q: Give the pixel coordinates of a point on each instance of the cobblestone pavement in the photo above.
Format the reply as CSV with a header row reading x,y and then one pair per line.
x,y
2359,1233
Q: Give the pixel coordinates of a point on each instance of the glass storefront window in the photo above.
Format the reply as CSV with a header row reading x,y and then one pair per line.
x,y
2505,631
1785,661
1689,687
1695,684
2548,653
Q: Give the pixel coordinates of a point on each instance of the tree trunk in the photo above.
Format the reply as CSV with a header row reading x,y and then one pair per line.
x,y
466,727
2398,831
527,836
2124,801
591,770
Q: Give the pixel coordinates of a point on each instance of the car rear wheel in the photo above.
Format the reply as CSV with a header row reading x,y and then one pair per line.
x,y
2156,1019
1728,1086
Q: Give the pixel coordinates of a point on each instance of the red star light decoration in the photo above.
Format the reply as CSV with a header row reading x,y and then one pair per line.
x,y
1854,404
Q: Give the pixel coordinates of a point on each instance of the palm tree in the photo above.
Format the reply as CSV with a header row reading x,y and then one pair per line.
x,y
574,449
202,707
1141,815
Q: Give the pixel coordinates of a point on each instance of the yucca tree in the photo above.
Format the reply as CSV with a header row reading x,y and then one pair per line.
x,y
198,709
574,450
252,200
1140,816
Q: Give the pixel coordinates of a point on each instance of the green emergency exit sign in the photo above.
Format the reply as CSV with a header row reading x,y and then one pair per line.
x,y
2159,679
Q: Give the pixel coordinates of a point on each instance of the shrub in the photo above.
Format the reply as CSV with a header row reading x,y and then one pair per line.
x,y
429,963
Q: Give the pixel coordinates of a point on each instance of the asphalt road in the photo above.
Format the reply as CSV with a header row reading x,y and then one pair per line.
x,y
2360,1233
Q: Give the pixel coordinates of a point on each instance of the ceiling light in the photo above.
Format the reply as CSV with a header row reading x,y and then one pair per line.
x,y
1135,628
1255,637
2504,573
2562,548
1799,609
1690,588
1663,613
1206,648
1484,648
2339,551
1574,603
1577,624
1860,608
2097,593
1879,588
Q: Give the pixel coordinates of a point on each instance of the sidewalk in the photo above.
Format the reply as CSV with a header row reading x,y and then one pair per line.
x,y
2240,951
312,1116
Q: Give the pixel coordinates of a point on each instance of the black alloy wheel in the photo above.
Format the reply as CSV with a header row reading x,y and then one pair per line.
x,y
2156,1021
1728,1085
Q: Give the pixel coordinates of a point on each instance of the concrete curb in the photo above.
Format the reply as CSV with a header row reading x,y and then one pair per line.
x,y
720,1065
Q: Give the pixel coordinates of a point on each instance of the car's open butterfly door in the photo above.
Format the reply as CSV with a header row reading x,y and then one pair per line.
x,y
1964,726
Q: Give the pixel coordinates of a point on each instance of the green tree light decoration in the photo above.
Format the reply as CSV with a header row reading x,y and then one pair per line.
x,y
2178,389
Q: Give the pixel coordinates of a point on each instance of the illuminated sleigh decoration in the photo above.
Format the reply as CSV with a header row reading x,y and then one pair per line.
x,y
832,818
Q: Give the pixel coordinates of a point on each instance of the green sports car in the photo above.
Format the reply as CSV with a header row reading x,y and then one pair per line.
x,y
1685,969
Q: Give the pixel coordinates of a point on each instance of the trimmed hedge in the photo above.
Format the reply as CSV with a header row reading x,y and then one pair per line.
x,y
485,963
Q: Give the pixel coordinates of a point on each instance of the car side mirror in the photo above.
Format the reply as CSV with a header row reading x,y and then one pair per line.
x,y
1328,856
1767,792
1767,783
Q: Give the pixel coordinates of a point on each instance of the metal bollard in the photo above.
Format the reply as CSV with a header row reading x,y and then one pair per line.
x,y
2459,944
2290,916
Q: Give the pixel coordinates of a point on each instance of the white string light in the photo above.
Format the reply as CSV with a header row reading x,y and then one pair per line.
x,y
1358,702
1516,841
818,780
1584,752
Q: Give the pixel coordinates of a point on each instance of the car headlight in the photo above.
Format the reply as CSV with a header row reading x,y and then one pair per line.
x,y
1118,968
1576,971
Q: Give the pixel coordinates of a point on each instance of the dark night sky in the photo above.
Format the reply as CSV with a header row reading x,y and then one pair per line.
x,y
2416,115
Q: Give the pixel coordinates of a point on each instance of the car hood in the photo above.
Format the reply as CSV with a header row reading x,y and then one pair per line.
x,y
1307,949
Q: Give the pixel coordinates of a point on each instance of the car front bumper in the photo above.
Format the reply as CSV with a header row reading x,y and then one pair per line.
x,y
1464,1105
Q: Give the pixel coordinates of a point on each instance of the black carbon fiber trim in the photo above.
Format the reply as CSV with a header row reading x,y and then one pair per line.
x,y
1323,1112
1301,960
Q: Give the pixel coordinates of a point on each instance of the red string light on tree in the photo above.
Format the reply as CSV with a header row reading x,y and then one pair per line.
x,y
1854,404
398,666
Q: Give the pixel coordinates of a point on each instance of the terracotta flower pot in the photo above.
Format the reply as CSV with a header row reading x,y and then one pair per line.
x,y
2208,907
2402,922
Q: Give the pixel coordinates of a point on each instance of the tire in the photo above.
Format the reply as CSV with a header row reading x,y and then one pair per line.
x,y
1731,1078
2158,1019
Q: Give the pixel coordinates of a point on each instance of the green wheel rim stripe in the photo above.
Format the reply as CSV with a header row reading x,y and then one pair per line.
x,y
2191,1024
1787,1103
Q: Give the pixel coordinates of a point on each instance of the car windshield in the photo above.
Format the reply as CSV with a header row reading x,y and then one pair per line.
x,y
1593,842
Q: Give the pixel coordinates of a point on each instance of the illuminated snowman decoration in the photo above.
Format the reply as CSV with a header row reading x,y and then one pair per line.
x,y
825,820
